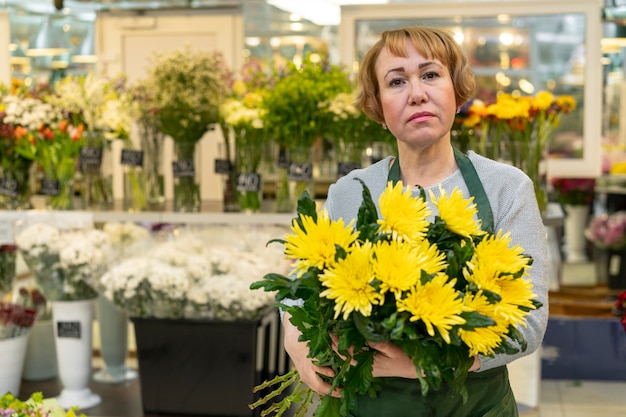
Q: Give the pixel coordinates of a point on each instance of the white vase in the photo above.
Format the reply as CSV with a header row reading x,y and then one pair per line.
x,y
41,359
12,353
113,327
575,223
73,321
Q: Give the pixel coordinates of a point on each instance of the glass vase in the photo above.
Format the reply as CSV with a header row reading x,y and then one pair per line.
x,y
349,156
300,174
59,192
8,258
530,155
96,190
152,146
186,186
15,189
132,162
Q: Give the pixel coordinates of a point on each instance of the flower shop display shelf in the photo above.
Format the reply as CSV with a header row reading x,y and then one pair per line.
x,y
206,367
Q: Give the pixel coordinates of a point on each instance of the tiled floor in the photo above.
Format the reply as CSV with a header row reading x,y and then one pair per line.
x,y
582,399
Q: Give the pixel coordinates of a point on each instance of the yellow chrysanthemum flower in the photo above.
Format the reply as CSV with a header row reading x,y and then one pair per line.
x,y
436,304
402,215
566,103
495,252
315,243
348,282
482,340
543,100
398,265
515,293
457,212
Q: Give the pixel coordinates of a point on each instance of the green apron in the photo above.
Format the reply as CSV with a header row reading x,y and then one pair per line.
x,y
489,392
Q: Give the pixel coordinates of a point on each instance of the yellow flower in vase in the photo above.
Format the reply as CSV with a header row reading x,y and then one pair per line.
x,y
517,129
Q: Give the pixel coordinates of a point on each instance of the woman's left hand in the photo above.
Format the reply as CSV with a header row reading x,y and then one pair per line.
x,y
392,361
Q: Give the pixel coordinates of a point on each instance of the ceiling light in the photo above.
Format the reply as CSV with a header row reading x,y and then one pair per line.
x,y
320,12
48,41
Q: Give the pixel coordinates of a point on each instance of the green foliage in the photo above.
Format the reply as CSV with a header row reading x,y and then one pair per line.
x,y
292,104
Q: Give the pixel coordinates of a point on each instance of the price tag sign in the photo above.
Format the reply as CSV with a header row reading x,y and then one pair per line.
x,y
343,168
223,166
248,182
300,172
68,329
9,187
131,157
183,168
90,156
49,187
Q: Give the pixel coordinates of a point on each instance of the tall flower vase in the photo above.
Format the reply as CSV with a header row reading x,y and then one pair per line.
x,y
530,155
12,354
186,187
73,321
574,238
15,188
41,359
113,326
152,145
95,188
135,185
299,177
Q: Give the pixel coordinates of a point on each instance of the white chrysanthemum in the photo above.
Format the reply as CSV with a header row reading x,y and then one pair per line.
x,y
37,235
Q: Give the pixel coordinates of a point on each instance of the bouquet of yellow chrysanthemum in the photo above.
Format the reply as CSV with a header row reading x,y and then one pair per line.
x,y
443,290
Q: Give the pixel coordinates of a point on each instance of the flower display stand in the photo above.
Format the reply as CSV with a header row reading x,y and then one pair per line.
x,y
206,367
73,322
12,353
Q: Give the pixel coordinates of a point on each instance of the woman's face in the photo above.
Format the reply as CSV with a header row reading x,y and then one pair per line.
x,y
417,97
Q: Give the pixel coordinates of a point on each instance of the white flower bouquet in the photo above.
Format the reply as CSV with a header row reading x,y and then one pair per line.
x,y
63,261
202,273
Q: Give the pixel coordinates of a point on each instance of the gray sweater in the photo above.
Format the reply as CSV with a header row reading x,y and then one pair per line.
x,y
511,195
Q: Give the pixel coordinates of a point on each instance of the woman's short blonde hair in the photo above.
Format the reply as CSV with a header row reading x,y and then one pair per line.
x,y
430,42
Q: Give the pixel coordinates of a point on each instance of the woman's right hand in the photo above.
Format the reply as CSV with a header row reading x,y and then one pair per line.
x,y
299,353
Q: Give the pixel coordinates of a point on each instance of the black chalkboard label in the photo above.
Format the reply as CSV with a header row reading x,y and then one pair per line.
x,y
90,156
223,166
132,157
248,182
68,329
283,159
183,168
345,167
9,187
300,172
49,186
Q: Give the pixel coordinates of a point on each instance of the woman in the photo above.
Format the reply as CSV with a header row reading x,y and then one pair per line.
x,y
412,82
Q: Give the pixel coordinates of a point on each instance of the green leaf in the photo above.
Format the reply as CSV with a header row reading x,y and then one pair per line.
x,y
307,206
367,216
474,319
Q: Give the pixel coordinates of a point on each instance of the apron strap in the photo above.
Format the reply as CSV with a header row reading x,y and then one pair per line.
x,y
474,185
